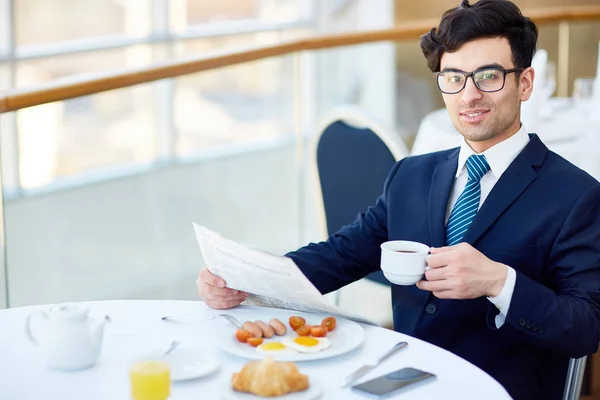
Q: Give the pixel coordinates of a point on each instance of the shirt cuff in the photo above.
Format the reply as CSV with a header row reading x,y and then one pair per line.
x,y
502,301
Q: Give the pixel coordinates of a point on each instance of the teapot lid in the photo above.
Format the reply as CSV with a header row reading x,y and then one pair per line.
x,y
68,312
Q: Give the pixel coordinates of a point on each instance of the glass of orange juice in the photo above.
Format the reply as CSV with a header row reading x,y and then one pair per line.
x,y
150,380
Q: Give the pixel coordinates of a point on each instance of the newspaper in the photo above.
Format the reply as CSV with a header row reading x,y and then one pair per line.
x,y
271,280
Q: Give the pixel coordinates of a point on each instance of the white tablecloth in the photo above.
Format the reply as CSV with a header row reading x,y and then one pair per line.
x,y
136,328
566,129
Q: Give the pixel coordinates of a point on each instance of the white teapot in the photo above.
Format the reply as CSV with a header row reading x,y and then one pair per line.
x,y
67,337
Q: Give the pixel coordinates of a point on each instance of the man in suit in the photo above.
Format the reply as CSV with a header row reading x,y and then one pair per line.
x,y
514,229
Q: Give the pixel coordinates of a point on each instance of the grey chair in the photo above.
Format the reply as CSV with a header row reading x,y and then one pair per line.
x,y
574,378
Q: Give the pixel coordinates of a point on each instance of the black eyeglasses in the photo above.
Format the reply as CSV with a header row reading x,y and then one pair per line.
x,y
485,79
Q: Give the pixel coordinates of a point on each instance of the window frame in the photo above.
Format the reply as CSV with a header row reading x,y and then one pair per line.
x,y
161,33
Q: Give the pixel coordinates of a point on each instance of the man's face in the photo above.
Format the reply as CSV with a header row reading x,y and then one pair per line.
x,y
484,118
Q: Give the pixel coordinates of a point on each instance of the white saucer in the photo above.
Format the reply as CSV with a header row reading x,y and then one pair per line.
x,y
313,392
186,364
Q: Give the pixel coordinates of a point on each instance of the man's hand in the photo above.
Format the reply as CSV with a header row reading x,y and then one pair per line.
x,y
214,293
462,272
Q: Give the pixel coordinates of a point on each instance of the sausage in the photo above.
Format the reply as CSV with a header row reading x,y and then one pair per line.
x,y
278,326
252,328
267,331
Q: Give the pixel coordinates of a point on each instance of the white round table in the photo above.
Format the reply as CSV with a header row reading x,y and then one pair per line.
x,y
565,127
136,328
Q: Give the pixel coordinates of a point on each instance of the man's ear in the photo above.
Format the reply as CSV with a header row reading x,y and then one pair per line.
x,y
526,83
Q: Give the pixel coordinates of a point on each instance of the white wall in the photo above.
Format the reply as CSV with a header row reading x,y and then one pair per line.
x,y
133,237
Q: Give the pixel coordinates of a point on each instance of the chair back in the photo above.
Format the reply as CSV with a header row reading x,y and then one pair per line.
x,y
353,155
574,378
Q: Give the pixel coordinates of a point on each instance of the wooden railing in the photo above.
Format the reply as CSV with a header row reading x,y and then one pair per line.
x,y
76,87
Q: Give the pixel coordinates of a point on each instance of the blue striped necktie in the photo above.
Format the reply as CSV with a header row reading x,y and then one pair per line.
x,y
466,206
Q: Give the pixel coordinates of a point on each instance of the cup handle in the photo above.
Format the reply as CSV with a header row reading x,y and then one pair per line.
x,y
28,329
427,267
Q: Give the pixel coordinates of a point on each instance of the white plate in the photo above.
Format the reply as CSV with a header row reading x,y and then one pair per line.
x,y
347,336
313,392
186,364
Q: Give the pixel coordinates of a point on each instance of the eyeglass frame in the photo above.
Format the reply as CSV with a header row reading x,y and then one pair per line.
x,y
468,75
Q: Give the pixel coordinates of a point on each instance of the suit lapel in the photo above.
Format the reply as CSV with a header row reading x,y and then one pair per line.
x,y
439,193
513,182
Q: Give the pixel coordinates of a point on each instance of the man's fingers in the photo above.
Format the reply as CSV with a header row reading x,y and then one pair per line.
x,y
222,305
444,289
435,274
434,286
445,294
438,250
222,293
440,289
210,279
438,260
224,297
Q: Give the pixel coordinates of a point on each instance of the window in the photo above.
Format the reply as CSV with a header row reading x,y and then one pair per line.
x,y
250,102
60,39
241,104
42,22
40,70
201,12
4,30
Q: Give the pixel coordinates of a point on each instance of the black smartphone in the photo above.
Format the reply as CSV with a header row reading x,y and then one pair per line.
x,y
393,382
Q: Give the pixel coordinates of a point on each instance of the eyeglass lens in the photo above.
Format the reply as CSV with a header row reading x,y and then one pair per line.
x,y
486,80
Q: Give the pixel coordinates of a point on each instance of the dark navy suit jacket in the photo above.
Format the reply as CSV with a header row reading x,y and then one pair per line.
x,y
542,218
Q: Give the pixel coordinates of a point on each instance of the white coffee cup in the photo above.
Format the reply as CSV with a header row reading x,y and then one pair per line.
x,y
404,262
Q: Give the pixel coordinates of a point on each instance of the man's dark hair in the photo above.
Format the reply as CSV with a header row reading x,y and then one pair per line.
x,y
484,19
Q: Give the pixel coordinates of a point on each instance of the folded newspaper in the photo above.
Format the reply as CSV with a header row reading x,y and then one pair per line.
x,y
271,280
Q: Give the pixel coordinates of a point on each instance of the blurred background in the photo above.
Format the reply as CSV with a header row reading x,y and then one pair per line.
x,y
100,192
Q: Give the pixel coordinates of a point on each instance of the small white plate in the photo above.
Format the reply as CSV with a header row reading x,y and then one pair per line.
x,y
313,392
186,364
346,337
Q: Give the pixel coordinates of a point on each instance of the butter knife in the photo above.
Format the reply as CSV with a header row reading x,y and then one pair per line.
x,y
365,369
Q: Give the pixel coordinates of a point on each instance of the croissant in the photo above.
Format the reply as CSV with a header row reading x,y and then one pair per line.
x,y
269,379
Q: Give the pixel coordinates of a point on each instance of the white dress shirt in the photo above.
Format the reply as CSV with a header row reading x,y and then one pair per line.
x,y
499,157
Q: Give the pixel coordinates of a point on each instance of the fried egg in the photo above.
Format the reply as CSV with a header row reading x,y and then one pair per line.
x,y
307,344
275,348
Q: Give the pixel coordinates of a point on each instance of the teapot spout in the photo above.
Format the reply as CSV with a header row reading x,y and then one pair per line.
x,y
97,330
